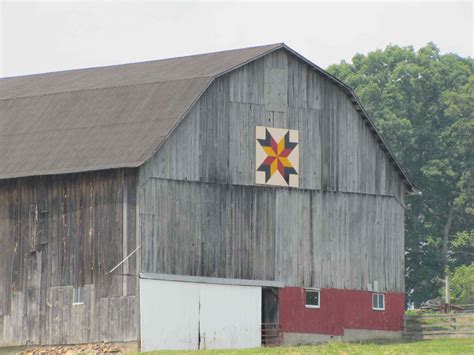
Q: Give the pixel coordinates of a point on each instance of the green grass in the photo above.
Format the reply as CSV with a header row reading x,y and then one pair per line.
x,y
438,346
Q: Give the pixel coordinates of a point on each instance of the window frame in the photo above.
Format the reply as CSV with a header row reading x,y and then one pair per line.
x,y
375,305
312,289
78,295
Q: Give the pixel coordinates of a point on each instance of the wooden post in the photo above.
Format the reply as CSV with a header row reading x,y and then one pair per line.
x,y
447,293
447,287
125,269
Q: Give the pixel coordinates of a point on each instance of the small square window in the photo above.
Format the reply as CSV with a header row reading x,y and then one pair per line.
x,y
378,301
312,298
78,295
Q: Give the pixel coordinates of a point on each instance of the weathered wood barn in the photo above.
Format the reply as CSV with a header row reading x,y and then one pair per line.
x,y
183,203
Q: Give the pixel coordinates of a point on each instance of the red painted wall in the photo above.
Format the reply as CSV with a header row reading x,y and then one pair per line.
x,y
339,309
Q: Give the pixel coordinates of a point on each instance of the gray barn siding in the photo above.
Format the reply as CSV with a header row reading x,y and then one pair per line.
x,y
342,228
57,233
216,141
300,237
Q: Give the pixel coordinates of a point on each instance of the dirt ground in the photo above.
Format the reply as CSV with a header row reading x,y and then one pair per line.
x,y
95,348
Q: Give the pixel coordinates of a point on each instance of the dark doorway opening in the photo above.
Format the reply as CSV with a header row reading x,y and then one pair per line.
x,y
271,335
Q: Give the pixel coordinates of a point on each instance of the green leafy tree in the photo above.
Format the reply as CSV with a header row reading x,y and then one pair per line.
x,y
462,284
422,102
462,248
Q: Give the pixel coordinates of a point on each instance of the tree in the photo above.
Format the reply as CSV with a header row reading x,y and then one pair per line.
x,y
422,102
462,284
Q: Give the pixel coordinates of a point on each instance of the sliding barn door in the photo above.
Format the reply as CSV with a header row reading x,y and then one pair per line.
x,y
169,315
230,316
189,316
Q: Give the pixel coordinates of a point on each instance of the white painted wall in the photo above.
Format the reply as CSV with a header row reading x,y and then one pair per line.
x,y
172,314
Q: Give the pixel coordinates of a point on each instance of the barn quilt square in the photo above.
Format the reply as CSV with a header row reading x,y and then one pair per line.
x,y
277,156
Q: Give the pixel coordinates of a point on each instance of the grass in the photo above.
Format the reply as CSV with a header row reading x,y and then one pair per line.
x,y
437,346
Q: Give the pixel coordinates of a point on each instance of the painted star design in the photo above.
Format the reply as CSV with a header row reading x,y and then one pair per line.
x,y
277,156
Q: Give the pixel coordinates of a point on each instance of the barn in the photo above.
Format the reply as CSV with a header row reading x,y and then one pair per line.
x,y
221,200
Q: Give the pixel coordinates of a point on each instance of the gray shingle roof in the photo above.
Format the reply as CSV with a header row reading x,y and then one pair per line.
x,y
102,118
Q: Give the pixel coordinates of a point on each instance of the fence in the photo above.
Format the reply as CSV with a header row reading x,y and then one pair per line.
x,y
271,335
431,326
467,308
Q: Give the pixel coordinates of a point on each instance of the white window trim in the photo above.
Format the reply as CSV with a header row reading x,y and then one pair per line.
x,y
319,297
383,297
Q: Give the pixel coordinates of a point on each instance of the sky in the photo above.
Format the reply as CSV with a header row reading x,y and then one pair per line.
x,y
44,36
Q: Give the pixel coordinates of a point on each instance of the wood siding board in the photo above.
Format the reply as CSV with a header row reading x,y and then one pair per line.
x,y
297,84
214,133
313,90
276,89
246,83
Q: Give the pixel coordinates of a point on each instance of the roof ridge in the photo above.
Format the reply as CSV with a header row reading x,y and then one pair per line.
x,y
141,62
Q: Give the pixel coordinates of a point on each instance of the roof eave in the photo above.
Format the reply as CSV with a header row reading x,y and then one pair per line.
x,y
29,174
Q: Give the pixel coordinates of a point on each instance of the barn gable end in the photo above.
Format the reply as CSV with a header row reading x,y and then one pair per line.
x,y
212,143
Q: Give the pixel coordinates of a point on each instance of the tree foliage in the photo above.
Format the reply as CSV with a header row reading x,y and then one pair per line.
x,y
422,102
462,284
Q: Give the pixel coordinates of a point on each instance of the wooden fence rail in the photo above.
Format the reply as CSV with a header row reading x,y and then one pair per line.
x,y
430,326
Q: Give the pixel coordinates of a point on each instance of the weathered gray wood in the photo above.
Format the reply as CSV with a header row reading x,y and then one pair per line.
x,y
299,237
242,84
438,326
61,232
276,89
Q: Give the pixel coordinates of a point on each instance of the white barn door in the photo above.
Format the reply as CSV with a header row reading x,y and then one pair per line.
x,y
177,315
230,316
169,315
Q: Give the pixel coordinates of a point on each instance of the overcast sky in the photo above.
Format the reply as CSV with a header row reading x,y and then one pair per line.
x,y
41,36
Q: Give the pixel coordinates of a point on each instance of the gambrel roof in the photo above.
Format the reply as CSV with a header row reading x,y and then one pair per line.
x,y
116,116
